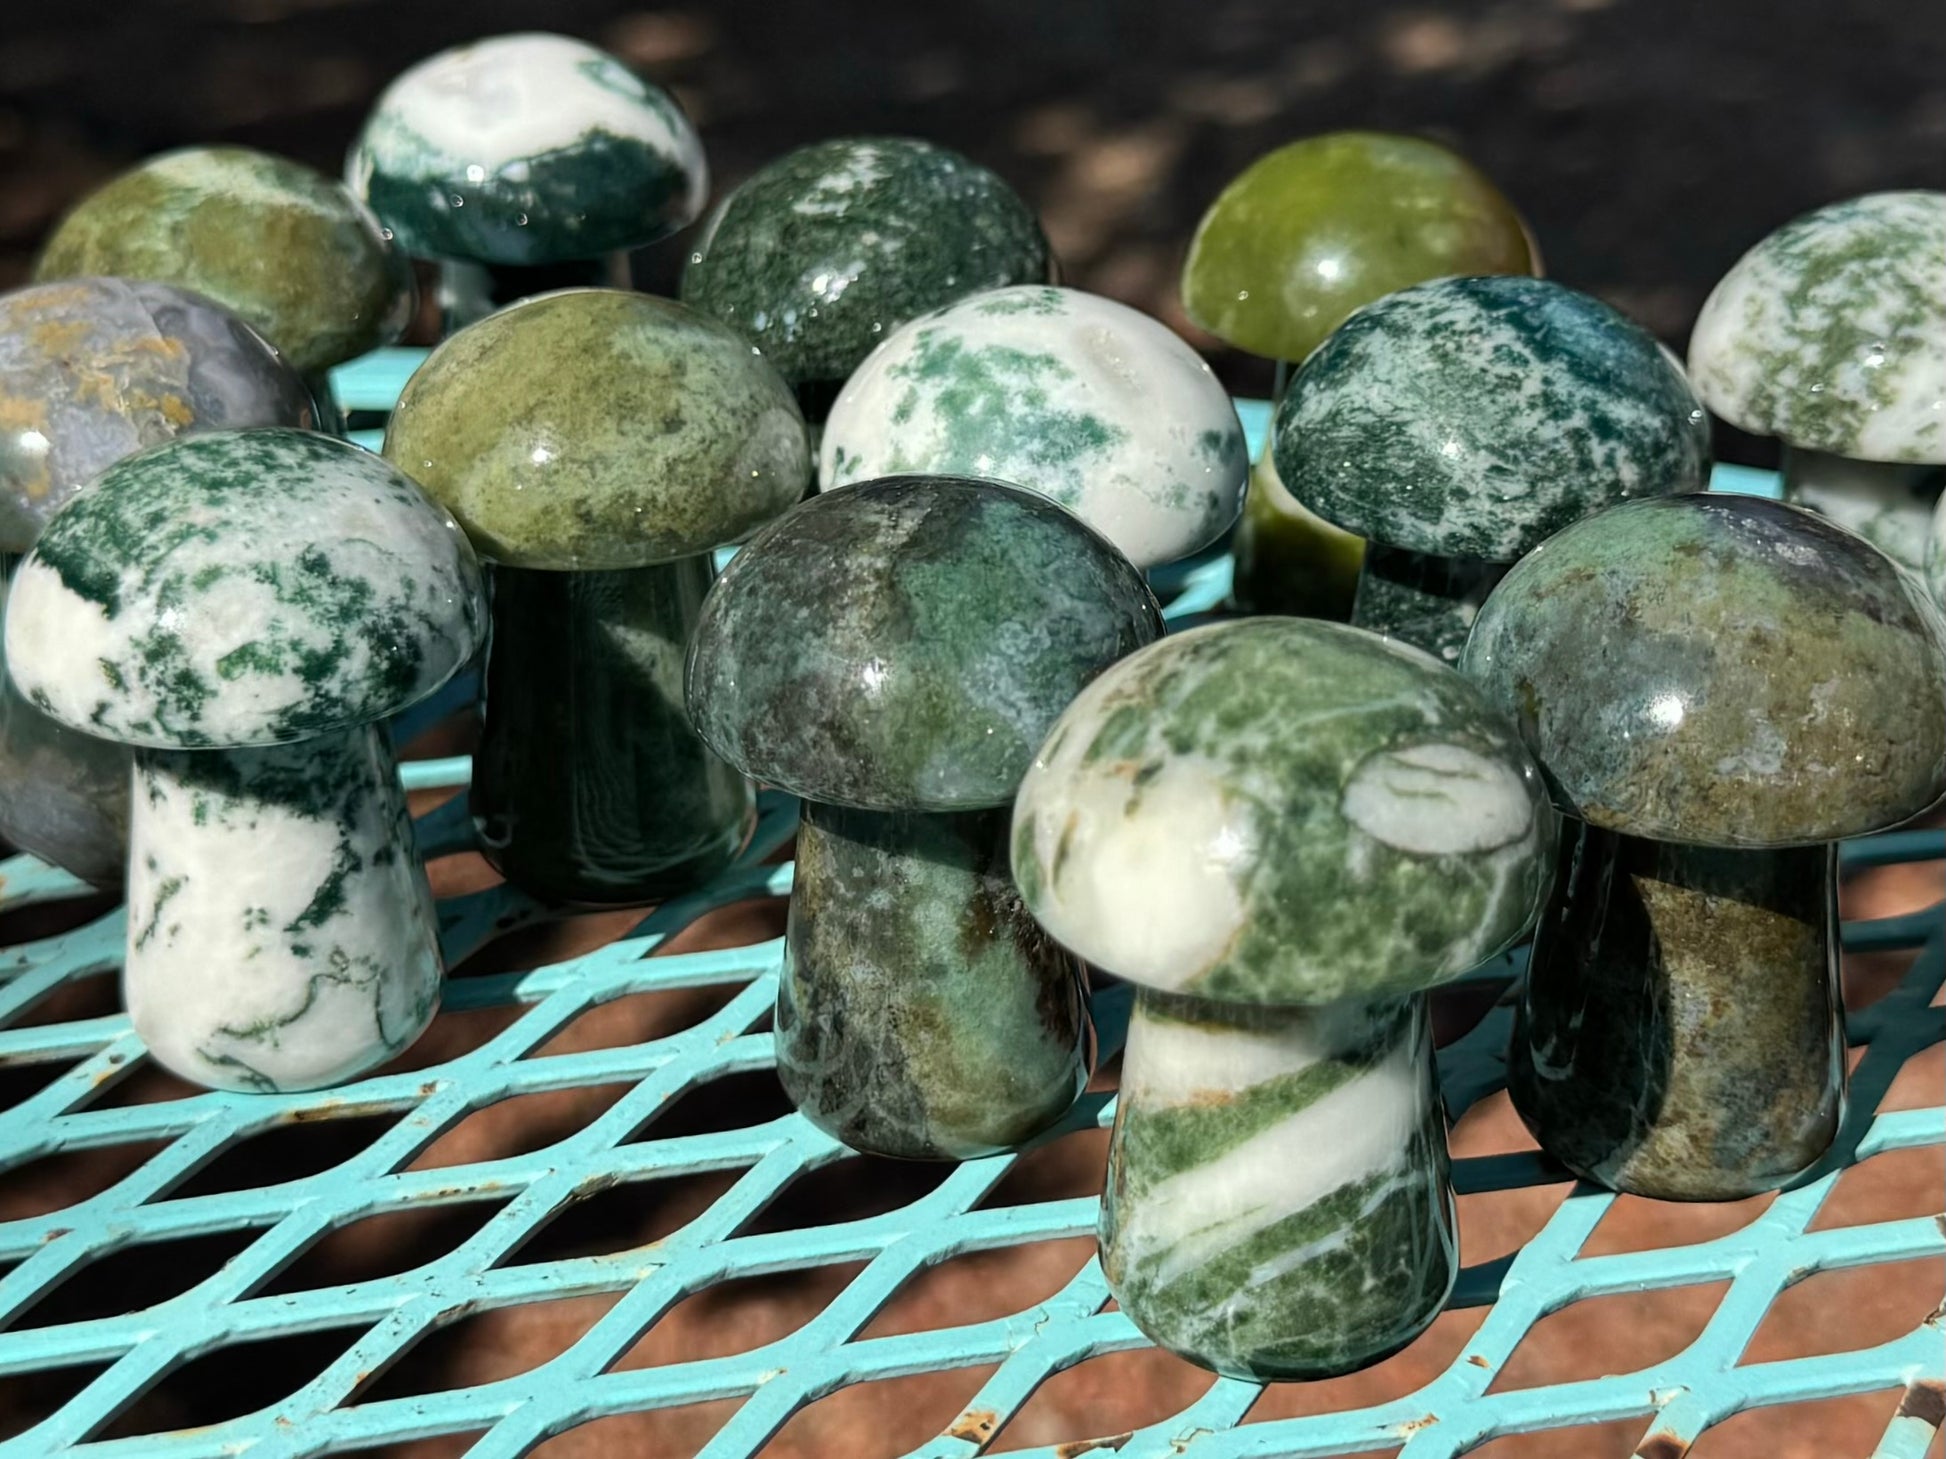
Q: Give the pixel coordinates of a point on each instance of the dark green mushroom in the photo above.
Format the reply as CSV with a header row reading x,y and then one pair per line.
x,y
892,652
596,446
828,249
1718,687
1457,424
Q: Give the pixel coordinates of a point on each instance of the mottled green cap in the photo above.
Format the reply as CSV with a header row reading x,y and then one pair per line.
x,y
903,644
285,248
595,429
1720,670
1831,332
1282,810
824,252
1475,417
242,588
1308,233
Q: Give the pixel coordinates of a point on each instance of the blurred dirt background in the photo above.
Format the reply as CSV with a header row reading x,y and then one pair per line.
x,y
1650,142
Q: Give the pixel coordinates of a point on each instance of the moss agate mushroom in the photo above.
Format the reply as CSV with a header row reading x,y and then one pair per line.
x,y
285,248
1297,241
1830,335
821,254
92,370
893,652
1282,831
1458,423
526,163
1935,564
245,608
1717,687
1084,400
596,446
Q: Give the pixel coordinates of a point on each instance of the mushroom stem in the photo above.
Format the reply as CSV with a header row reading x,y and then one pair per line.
x,y
923,1014
590,787
281,934
1889,503
330,416
1680,1035
1427,601
1289,560
468,292
1277,1202
63,794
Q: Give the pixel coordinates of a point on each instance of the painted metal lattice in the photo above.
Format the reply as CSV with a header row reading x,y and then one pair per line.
x,y
1677,1398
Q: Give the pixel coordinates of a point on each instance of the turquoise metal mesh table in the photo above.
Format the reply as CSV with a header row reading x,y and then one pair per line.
x,y
74,1066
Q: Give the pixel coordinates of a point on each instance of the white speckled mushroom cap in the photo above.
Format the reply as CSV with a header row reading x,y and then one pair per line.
x,y
1067,394
1831,333
242,588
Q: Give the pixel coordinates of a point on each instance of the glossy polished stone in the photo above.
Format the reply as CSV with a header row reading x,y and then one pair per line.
x,y
92,370
527,149
63,795
1720,670
1888,503
1680,1034
828,249
1281,811
597,429
589,786
251,588
1476,417
922,1014
1935,560
1831,332
1077,397
246,607
1313,230
1277,1205
904,644
207,219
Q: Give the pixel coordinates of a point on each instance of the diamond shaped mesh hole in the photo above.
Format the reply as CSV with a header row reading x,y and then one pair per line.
x,y
384,1245
638,1018
982,1286
727,1102
848,1190
228,1382
135,1277
60,1182
1825,1429
1622,1333
27,1399
1898,1185
1840,1311
738,1316
878,1420
487,1347
288,1151
519,1125
1106,1398
624,1217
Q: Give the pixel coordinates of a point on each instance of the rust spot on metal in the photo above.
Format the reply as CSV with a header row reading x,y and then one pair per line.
x,y
429,1088
55,1233
1663,1445
1092,1446
304,1114
975,1426
1412,1426
1925,1400
1477,1361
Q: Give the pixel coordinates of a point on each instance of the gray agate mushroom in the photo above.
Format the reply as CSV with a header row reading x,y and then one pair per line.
x,y
92,370
1830,335
1456,424
1283,831
246,608
1718,688
892,652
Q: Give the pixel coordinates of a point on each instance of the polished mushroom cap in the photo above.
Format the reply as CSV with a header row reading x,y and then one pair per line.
x,y
904,644
1720,670
1831,333
1475,417
527,149
597,429
92,370
247,588
1310,232
1281,810
288,250
820,255
1068,394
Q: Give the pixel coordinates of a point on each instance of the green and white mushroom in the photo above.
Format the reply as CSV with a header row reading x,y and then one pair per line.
x,y
1830,335
526,163
246,608
1283,831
